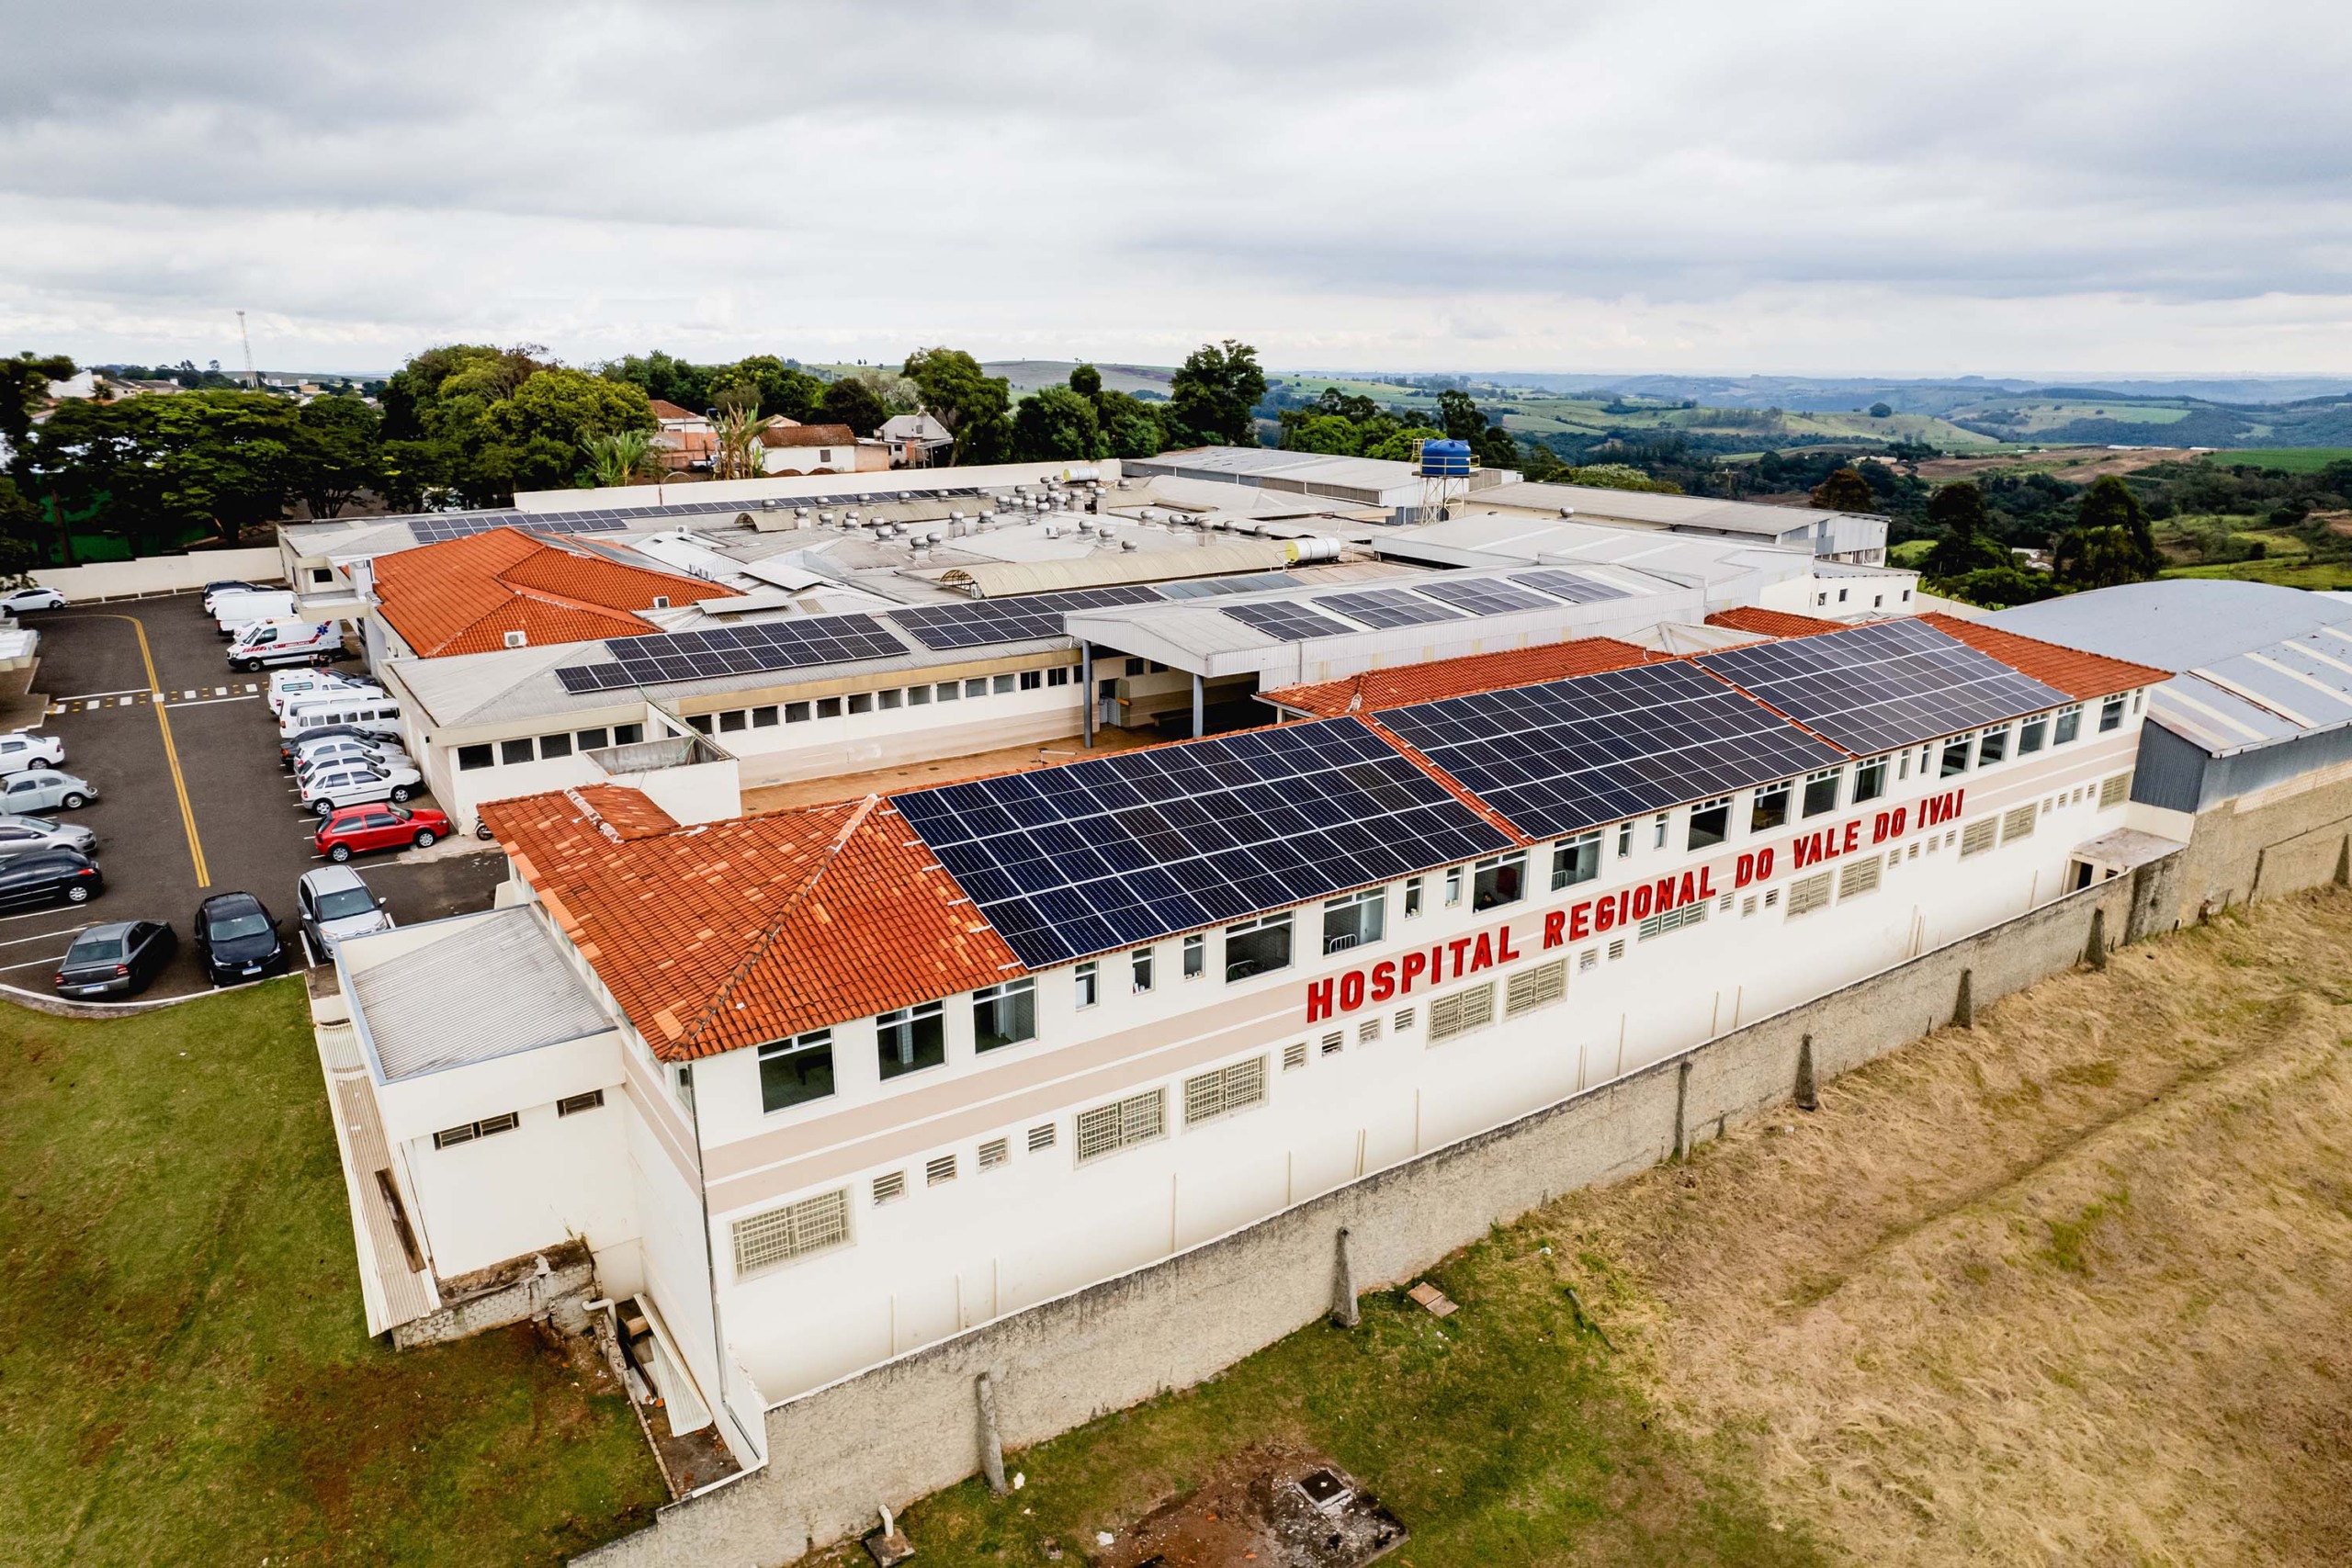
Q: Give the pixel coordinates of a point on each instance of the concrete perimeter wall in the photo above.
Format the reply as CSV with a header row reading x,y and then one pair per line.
x,y
161,574
910,1426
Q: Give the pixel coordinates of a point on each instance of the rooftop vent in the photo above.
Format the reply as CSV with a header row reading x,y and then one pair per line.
x,y
660,601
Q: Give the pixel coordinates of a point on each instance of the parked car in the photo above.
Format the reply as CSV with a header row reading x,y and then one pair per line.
x,y
46,877
360,708
350,784
236,608
349,751
284,642
238,939
121,956
336,904
25,599
44,789
355,830
18,834
22,749
290,747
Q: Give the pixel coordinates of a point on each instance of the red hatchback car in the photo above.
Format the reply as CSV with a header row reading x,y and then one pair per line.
x,y
355,830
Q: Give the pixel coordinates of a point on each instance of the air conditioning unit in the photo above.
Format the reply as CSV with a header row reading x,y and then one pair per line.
x,y
518,640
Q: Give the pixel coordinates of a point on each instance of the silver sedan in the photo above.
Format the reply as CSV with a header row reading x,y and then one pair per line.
x,y
18,834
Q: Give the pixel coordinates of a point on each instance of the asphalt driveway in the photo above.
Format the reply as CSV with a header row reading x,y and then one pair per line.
x,y
191,800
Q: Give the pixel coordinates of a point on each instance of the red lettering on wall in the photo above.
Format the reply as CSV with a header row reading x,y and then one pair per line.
x,y
1878,827
1319,1000
1763,866
1458,946
1706,882
1687,892
1606,916
1415,963
1853,835
1504,951
1555,927
1902,816
1644,896
1384,979
1580,922
1808,850
1746,872
1352,990
1482,955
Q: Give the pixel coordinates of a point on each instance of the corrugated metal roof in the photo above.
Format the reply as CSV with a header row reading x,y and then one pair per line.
x,y
1645,506
994,580
517,991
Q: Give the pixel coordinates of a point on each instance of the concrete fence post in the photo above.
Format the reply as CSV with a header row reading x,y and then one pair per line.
x,y
2343,862
1681,1103
991,1446
2095,951
1806,1099
1963,1007
1343,1287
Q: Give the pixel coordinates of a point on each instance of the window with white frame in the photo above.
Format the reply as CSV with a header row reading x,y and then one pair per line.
x,y
1659,825
1358,919
1256,947
2110,714
1869,780
1993,746
1413,895
1769,809
1221,1091
1139,967
1499,879
1005,1013
1576,860
2033,735
2069,725
796,1070
1086,980
1957,751
1710,823
1196,955
911,1039
1624,839
1821,791
1122,1124
1452,885
793,1230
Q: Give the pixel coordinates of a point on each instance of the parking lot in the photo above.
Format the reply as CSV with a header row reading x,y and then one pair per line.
x,y
191,800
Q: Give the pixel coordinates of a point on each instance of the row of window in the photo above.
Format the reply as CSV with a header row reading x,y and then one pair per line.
x,y
885,701
545,748
1878,601
507,1121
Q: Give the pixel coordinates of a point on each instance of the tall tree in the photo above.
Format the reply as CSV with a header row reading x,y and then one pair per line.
x,y
974,406
1844,490
23,386
1215,392
1130,427
1958,510
533,439
2109,503
337,453
622,458
782,388
1086,381
665,377
2111,542
852,401
1056,423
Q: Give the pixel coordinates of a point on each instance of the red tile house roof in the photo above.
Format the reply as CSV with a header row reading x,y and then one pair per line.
x,y
1771,622
2071,670
464,595
1409,683
727,934
665,409
807,436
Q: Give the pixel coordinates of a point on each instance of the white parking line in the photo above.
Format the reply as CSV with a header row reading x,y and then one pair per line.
x,y
209,702
37,915
94,696
48,936
32,963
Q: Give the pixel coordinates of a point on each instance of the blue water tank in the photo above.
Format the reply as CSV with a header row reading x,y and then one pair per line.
x,y
1445,460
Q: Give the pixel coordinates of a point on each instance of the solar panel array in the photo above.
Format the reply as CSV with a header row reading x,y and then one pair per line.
x,y
1569,585
433,528
1596,749
977,623
1282,619
734,651
1117,850
1387,607
1889,683
1483,595
1247,582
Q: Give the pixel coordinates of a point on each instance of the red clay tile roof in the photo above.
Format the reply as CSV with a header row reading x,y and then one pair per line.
x,y
1409,683
662,410
727,934
464,595
1771,622
2071,670
808,435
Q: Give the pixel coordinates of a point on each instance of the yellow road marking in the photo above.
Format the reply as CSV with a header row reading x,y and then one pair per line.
x,y
171,754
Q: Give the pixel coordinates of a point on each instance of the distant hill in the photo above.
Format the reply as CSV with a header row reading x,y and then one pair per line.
x,y
1028,375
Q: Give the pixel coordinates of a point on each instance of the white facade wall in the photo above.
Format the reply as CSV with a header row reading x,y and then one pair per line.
x,y
776,742
1845,594
514,1193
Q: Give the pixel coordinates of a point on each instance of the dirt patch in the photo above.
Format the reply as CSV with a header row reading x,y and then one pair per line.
x,y
2075,465
1281,1507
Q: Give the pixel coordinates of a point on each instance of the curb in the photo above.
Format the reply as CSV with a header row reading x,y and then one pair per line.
x,y
59,1007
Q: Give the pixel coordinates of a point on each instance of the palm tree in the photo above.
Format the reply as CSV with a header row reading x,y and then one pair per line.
x,y
739,455
617,458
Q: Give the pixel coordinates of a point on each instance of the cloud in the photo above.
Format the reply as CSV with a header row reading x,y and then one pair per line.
x,y
1607,186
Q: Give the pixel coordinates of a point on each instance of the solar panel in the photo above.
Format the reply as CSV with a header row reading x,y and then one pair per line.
x,y
1596,749
735,650
975,623
1872,688
1483,595
1386,607
1122,850
1569,585
1247,582
1283,619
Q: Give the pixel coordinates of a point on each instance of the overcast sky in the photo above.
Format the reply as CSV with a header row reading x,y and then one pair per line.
x,y
1805,188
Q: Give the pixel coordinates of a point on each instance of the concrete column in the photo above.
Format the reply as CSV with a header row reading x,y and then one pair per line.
x,y
1086,680
1343,1287
1806,1097
1200,703
991,1449
1681,1103
2095,951
1963,1007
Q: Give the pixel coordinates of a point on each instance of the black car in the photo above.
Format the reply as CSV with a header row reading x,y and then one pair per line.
x,y
46,877
238,939
122,955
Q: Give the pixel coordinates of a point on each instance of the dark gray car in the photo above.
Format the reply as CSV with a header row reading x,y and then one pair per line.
x,y
120,957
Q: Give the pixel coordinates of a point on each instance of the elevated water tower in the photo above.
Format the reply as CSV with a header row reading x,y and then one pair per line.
x,y
1445,467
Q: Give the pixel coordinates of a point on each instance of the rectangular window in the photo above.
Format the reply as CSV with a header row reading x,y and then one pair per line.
x,y
488,1126
2034,735
2110,714
1041,1136
1859,876
1657,837
935,1171
1472,1008
682,1080
1004,1014
1993,746
734,719
1139,964
1710,824
1501,879
593,739
1088,982
1536,988
2019,824
2070,724
472,757
1771,808
1810,894
1196,955
513,751
947,691
911,1039
918,696
976,688
1057,676
1294,1056
1134,666
1976,838
1576,860
796,713
1869,780
891,698
1221,1091
829,707
1256,947
1956,757
627,734
765,718
2113,792
1452,885
861,702
994,1152
573,1104
1356,920
1821,791
1122,1124
797,1070
890,1187
796,1230
700,723
1670,921
1004,685
1624,839
1031,680
1412,896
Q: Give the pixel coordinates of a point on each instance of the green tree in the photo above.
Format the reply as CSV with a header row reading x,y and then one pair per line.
x,y
852,401
338,452
1322,432
2109,503
155,471
1056,423
1214,394
782,389
1130,427
974,406
1844,490
533,439
1397,446
1958,511
1087,383
665,377
1881,410
2095,558
1620,475
21,531
23,386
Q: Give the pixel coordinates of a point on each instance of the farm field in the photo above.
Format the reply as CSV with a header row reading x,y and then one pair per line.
x,y
2063,1287
2285,459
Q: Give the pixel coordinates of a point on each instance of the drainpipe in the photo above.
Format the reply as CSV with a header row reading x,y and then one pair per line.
x,y
1199,702
1086,679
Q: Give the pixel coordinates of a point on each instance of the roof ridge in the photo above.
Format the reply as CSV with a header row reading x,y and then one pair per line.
x,y
1445,781
791,905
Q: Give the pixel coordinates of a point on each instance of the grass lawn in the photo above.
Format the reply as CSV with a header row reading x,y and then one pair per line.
x,y
2286,460
2327,575
185,1375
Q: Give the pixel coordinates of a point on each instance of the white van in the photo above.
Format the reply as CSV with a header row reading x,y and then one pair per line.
x,y
233,610
290,687
284,642
374,712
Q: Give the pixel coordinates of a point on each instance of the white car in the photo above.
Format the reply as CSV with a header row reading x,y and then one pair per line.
x,y
312,755
357,758
22,749
351,784
25,599
293,685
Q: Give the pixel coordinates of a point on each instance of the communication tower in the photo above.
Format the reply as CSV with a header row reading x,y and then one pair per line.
x,y
253,377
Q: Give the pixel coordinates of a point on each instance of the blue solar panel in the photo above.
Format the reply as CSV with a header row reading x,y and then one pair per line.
x,y
977,623
1386,607
1889,683
1483,595
1123,849
1596,749
1574,587
1281,618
